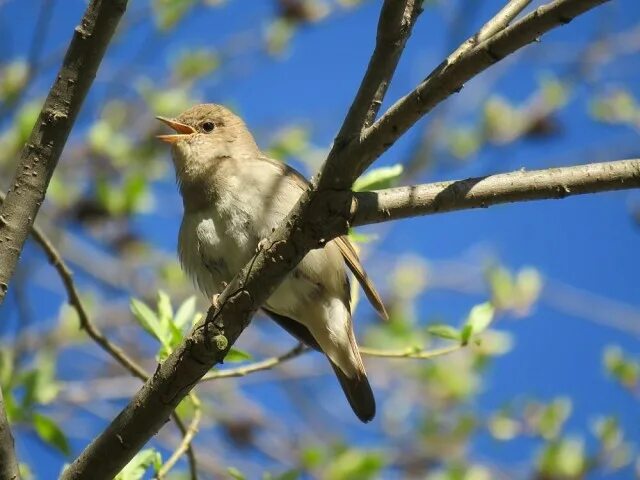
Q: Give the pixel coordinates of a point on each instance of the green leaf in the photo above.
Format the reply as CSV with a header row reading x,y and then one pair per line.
x,y
479,319
236,474
165,310
51,433
288,475
169,12
358,237
185,312
465,334
13,78
236,355
290,142
136,468
278,36
563,459
40,384
382,177
355,464
444,331
196,64
149,321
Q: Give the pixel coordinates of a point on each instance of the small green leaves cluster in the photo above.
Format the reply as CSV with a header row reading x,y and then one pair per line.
x,y
622,367
26,391
477,321
618,106
169,328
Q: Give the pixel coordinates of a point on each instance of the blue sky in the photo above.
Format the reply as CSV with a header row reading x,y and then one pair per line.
x,y
590,242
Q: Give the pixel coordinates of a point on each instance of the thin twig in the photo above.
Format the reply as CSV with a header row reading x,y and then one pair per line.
x,y
185,445
269,363
499,22
411,352
256,366
483,192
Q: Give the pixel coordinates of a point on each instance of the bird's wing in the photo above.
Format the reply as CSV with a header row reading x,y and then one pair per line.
x,y
346,248
351,257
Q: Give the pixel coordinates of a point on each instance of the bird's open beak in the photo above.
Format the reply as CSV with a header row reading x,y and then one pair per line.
x,y
182,129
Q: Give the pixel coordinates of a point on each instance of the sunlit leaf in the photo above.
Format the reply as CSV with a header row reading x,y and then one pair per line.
x,y
236,355
169,12
49,432
378,178
479,319
236,474
139,464
196,64
563,459
148,319
185,312
13,78
444,331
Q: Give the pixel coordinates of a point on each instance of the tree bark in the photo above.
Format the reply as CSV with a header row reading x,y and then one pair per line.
x,y
8,461
482,192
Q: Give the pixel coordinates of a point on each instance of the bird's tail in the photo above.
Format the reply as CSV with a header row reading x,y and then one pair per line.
x,y
358,393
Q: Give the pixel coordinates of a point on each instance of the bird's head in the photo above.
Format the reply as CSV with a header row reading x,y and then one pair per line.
x,y
204,134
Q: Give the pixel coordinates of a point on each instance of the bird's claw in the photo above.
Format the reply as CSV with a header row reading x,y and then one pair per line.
x,y
215,301
262,244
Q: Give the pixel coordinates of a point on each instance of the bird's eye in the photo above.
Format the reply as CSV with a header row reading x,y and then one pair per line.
x,y
208,127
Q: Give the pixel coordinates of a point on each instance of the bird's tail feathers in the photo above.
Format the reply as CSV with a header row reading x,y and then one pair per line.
x,y
358,393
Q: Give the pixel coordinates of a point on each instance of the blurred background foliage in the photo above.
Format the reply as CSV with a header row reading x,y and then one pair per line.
x,y
504,326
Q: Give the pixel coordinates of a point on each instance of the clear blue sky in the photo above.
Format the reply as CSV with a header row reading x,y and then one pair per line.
x,y
590,243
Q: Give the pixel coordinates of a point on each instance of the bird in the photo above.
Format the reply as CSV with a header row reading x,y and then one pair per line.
x,y
233,197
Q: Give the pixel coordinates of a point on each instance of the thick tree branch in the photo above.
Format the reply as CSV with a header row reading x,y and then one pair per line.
x,y
8,460
483,192
321,214
394,28
43,148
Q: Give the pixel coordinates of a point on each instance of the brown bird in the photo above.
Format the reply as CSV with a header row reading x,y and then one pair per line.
x,y
233,197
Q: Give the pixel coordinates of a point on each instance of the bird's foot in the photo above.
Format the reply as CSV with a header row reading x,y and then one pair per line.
x,y
262,245
215,301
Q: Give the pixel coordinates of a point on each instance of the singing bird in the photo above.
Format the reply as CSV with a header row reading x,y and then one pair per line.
x,y
233,197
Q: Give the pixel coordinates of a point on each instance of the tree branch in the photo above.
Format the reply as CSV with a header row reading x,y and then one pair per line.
x,y
411,352
43,148
483,192
185,445
448,78
322,213
8,460
256,366
499,22
397,18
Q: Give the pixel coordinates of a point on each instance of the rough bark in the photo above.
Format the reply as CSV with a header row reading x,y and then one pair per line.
x,y
8,461
483,192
